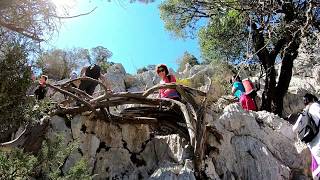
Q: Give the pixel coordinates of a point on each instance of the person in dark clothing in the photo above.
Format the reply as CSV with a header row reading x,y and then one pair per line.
x,y
41,90
93,71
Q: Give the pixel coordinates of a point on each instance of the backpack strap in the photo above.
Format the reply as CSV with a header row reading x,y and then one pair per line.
x,y
309,115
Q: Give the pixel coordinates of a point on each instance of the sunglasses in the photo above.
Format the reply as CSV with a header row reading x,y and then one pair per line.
x,y
160,70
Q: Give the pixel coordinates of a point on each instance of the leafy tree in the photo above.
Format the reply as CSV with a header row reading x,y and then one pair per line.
x,y
79,171
34,19
58,64
15,79
187,58
52,156
100,55
224,38
16,165
265,31
222,74
45,165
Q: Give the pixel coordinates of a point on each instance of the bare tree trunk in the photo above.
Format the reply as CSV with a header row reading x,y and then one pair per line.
x,y
267,60
290,55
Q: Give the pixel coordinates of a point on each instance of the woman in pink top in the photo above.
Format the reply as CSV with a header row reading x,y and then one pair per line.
x,y
163,72
247,102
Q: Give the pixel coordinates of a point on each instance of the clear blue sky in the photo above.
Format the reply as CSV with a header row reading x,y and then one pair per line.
x,y
133,32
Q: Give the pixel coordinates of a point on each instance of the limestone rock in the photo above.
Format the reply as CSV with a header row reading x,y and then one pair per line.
x,y
253,146
113,163
169,171
59,127
148,79
133,84
115,77
108,133
76,124
134,136
71,161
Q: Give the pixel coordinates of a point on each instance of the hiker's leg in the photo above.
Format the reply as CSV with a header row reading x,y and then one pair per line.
x,y
90,89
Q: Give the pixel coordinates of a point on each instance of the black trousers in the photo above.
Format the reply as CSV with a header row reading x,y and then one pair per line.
x,y
87,86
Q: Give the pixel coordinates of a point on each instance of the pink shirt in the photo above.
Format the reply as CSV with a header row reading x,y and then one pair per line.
x,y
247,102
168,93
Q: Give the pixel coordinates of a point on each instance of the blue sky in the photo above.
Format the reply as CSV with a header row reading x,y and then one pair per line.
x,y
133,32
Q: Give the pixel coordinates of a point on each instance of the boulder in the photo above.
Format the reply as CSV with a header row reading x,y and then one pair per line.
x,y
115,77
253,145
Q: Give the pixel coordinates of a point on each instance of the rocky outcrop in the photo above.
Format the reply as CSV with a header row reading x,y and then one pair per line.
x,y
124,151
240,145
252,145
115,77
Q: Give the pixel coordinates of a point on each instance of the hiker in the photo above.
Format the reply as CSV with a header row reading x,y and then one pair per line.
x,y
237,86
41,90
247,102
73,76
93,71
312,107
163,72
250,90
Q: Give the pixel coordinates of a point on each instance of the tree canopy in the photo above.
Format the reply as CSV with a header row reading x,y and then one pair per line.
x,y
187,58
265,31
34,19
59,63
15,80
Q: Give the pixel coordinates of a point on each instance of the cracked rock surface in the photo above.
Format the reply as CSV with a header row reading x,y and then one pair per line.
x,y
240,145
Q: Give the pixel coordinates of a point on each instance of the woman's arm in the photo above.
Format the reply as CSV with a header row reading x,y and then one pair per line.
x,y
233,90
83,71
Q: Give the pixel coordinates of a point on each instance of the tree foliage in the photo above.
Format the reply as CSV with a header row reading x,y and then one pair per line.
x,y
187,58
224,39
45,165
266,31
100,55
34,19
59,63
16,165
15,79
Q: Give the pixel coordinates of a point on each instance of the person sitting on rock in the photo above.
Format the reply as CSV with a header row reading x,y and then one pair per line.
x,y
163,73
93,71
41,90
237,86
313,108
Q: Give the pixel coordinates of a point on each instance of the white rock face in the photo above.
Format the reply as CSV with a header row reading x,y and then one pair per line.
x,y
58,126
240,145
253,145
115,77
148,79
123,151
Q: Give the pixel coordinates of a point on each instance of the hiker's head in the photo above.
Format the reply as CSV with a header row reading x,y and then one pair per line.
x,y
162,70
236,78
43,79
309,98
73,75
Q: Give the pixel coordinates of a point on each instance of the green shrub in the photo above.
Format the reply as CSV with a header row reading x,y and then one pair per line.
x,y
46,165
16,165
15,80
